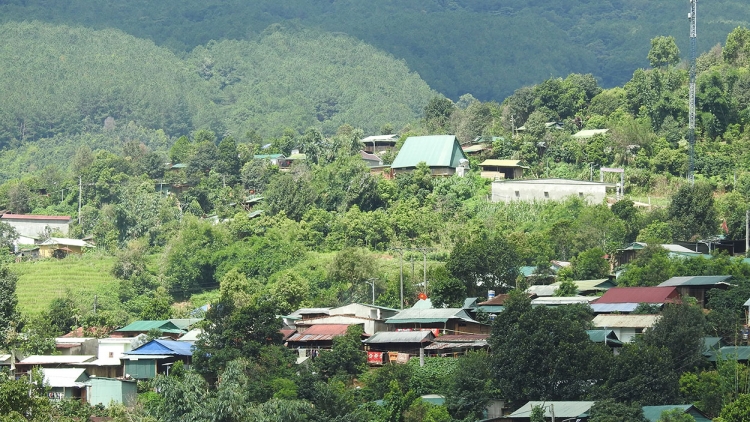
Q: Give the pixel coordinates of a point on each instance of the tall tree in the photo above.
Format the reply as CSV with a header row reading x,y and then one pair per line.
x,y
692,212
664,52
488,261
9,315
544,353
680,330
228,163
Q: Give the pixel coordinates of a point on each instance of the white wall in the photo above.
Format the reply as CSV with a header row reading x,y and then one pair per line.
x,y
509,190
35,228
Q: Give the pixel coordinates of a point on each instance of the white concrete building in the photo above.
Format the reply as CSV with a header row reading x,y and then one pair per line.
x,y
31,227
549,189
625,327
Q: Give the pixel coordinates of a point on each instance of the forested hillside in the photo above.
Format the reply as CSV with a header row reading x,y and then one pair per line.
x,y
64,80
486,48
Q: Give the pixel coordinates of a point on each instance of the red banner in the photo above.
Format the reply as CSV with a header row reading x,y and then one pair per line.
x,y
375,358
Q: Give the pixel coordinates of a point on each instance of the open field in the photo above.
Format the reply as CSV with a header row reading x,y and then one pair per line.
x,y
40,282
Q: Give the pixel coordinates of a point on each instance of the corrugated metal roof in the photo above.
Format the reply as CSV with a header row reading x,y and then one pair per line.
x,y
639,295
311,311
740,353
65,377
463,337
711,343
491,308
598,336
589,133
56,359
624,321
474,148
144,326
434,150
428,316
653,413
502,163
320,332
192,335
423,304
699,280
603,308
584,285
542,290
497,300
561,300
185,323
35,217
561,409
379,138
67,242
400,337
163,347
552,182
439,345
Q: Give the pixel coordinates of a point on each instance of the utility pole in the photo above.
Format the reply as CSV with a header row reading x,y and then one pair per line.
x,y
691,99
400,252
80,192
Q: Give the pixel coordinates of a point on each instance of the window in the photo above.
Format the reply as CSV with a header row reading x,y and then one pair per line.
x,y
546,194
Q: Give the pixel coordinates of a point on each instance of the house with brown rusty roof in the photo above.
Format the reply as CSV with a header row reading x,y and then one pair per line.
x,y
626,299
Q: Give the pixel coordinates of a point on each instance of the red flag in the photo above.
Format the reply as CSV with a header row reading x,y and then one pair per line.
x,y
724,226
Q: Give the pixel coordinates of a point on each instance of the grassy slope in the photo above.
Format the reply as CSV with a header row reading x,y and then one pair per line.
x,y
40,282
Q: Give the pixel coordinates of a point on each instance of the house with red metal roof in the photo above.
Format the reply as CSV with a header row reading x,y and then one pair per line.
x,y
626,299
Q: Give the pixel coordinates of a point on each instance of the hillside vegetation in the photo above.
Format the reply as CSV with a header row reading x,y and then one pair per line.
x,y
486,48
65,80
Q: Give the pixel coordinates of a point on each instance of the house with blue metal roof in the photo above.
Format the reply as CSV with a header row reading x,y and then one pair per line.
x,y
156,357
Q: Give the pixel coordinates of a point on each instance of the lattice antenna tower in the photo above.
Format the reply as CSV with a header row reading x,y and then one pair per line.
x,y
691,100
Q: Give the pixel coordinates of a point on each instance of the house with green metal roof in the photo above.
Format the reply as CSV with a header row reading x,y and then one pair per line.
x,y
442,154
447,320
559,410
653,413
167,327
738,353
698,286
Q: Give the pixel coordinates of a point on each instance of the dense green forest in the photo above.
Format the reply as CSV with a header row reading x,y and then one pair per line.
x,y
64,80
486,48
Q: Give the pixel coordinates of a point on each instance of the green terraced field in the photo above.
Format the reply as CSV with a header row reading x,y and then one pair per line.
x,y
39,282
